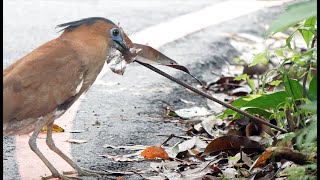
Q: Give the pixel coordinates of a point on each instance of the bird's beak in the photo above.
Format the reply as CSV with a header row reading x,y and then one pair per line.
x,y
121,46
122,54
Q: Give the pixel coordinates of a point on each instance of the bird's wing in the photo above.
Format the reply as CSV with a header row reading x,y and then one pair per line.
x,y
48,78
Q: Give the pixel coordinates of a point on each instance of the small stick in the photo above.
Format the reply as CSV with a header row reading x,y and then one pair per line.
x,y
170,137
210,97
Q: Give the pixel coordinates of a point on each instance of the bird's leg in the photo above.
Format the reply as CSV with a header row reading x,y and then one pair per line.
x,y
35,149
80,170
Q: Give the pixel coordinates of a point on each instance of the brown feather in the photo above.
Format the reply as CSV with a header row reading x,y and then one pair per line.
x,y
48,77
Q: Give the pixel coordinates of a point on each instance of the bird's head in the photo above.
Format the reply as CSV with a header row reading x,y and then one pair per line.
x,y
102,35
105,40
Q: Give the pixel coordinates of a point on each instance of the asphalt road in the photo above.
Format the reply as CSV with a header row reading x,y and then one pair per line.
x,y
129,108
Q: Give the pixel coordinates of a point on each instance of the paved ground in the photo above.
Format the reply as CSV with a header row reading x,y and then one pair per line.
x,y
129,107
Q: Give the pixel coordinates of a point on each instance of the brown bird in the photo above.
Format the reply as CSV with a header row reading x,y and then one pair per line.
x,y
41,86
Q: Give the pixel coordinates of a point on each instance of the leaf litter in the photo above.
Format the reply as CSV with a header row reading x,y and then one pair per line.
x,y
216,147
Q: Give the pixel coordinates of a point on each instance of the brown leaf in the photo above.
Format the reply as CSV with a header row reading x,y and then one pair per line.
x,y
225,83
263,158
233,143
153,152
236,132
257,128
291,155
55,128
280,153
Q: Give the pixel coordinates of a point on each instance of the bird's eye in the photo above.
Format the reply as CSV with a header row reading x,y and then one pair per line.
x,y
115,32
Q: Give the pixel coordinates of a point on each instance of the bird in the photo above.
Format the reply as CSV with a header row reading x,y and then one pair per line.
x,y
42,85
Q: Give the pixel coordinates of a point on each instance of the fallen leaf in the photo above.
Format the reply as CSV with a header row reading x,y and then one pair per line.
x,y
291,155
133,157
239,158
153,152
76,141
55,128
230,173
192,112
233,143
263,158
257,128
209,123
241,91
216,107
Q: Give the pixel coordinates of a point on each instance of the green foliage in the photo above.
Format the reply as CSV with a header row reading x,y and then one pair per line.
x,y
249,81
293,97
294,14
313,88
301,172
266,102
260,58
292,87
308,30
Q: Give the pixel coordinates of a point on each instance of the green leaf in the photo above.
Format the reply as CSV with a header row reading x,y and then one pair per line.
x,y
251,85
313,87
268,100
279,52
261,112
241,77
288,41
237,103
265,101
275,83
259,58
294,14
293,87
307,30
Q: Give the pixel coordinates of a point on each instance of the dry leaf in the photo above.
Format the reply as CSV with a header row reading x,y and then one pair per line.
x,y
55,128
153,152
233,143
192,112
263,158
133,157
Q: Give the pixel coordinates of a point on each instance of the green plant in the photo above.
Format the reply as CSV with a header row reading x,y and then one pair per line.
x,y
292,99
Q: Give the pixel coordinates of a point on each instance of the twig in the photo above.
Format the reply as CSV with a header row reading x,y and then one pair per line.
x,y
168,139
291,124
180,137
210,97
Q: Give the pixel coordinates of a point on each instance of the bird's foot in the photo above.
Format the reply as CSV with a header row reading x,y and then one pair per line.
x,y
86,172
60,176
